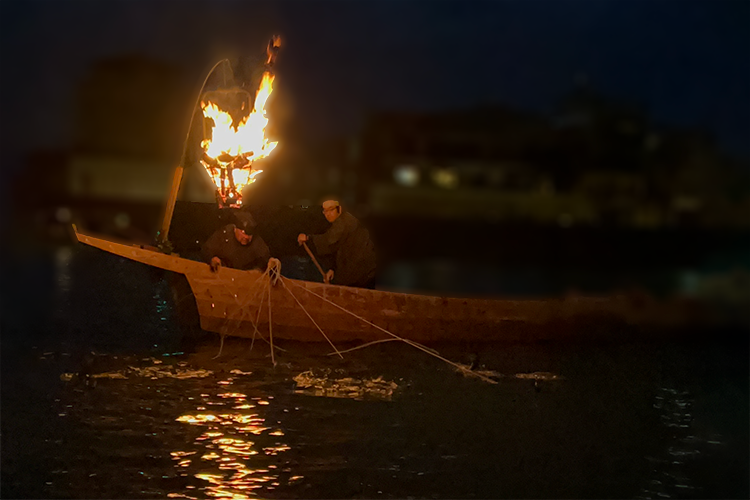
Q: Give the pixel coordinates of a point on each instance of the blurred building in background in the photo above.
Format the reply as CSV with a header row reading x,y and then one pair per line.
x,y
597,186
130,121
595,162
476,163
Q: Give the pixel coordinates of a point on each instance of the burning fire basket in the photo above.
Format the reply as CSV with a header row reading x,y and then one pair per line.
x,y
234,141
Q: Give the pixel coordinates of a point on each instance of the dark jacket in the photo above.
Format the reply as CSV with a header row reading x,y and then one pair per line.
x,y
224,245
349,242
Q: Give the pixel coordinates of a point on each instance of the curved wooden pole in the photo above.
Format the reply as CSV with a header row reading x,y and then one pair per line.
x,y
163,234
161,237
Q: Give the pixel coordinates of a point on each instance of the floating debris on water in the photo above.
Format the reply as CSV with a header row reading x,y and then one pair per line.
x,y
152,372
545,376
170,372
486,373
240,372
115,375
535,376
348,387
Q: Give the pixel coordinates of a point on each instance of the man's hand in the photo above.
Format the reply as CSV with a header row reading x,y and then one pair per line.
x,y
215,264
329,276
301,238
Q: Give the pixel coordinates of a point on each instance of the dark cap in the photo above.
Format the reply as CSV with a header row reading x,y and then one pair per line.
x,y
245,222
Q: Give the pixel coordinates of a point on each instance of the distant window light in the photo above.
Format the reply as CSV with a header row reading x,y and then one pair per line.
x,y
63,215
690,282
445,178
406,175
565,220
686,204
571,120
652,142
122,220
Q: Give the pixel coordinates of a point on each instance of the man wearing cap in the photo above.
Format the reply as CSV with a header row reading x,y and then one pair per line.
x,y
236,245
348,241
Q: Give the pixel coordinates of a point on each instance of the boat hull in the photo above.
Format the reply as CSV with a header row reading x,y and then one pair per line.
x,y
233,302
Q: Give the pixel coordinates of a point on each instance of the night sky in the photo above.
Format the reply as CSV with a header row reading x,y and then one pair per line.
x,y
688,62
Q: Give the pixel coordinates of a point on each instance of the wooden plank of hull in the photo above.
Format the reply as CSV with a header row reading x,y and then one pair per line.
x,y
228,303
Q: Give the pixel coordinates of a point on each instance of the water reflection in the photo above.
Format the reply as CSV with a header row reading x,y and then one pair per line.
x,y
63,257
63,281
230,462
671,470
439,437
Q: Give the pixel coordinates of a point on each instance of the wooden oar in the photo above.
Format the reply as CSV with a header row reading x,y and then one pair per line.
x,y
315,261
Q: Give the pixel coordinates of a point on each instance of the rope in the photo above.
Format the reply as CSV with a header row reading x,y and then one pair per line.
x,y
239,321
411,343
270,322
245,309
311,319
221,347
274,269
273,272
243,306
257,319
365,345
433,351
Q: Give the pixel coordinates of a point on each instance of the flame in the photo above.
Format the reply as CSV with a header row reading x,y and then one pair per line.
x,y
232,149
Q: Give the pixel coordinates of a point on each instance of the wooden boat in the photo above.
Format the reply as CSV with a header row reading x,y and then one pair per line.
x,y
229,300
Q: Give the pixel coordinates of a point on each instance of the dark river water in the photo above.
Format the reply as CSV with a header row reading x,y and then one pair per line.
x,y
104,396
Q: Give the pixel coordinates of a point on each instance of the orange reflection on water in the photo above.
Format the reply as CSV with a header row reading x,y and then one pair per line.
x,y
232,466
274,450
183,453
242,419
197,419
253,429
232,395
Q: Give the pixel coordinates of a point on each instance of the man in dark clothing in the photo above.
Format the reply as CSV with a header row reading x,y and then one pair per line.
x,y
236,245
349,242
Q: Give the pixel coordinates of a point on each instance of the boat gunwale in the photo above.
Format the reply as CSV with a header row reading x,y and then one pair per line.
x,y
88,239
